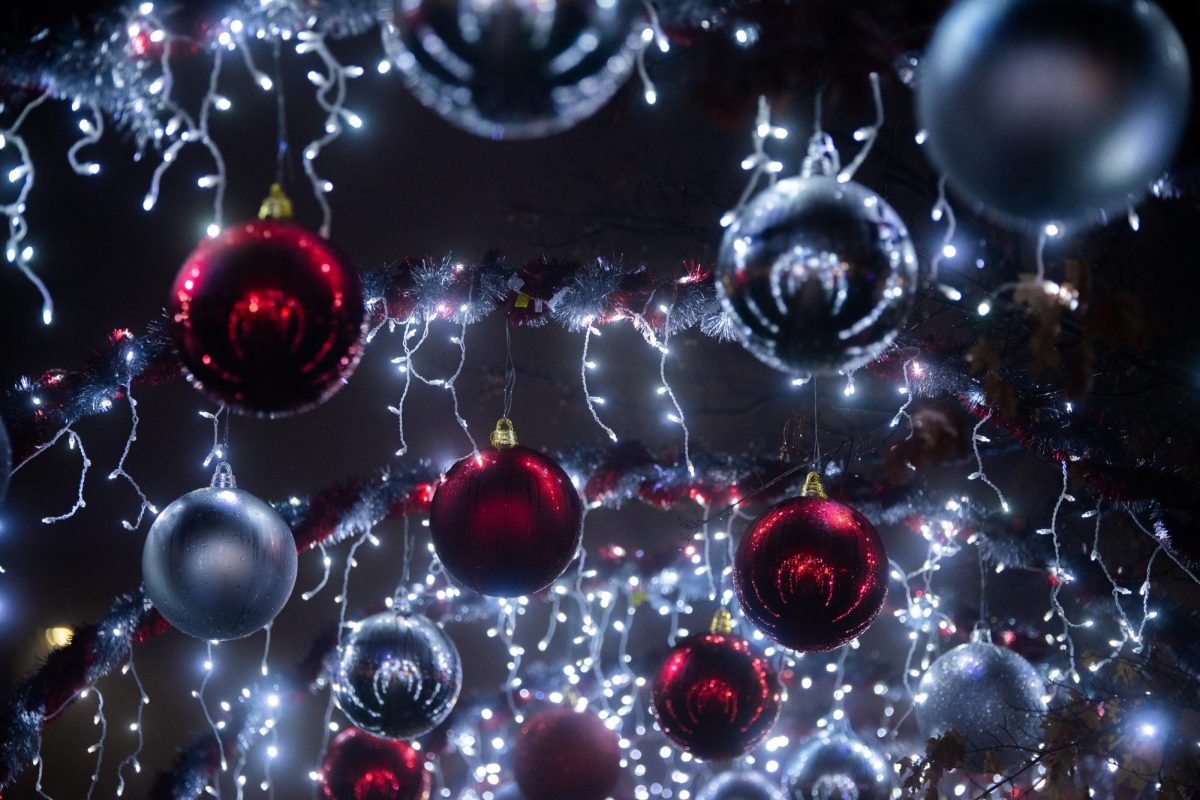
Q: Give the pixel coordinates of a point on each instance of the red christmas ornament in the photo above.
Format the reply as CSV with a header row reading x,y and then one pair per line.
x,y
267,318
561,754
714,696
811,573
359,766
506,521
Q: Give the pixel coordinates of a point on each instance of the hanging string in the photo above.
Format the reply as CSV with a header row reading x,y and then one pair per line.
x,y
983,604
816,427
510,370
281,148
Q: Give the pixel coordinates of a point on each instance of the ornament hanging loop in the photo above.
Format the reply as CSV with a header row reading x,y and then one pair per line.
x,y
223,477
722,622
504,435
276,205
813,486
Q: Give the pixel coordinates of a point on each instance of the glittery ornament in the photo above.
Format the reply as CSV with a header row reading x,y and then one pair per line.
x,y
837,765
397,675
714,696
506,521
811,573
561,753
1052,110
511,69
219,563
741,786
267,317
358,766
816,275
988,694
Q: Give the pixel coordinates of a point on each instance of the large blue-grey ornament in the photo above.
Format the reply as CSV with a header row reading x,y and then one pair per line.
x,y
988,694
1053,110
741,786
837,765
219,563
816,274
513,69
398,675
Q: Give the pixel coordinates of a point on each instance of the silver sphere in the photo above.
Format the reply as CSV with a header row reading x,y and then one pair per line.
x,y
839,766
741,786
513,69
398,675
988,694
1053,110
816,275
219,563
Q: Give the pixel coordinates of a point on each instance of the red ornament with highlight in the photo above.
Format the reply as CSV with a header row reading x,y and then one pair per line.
x,y
506,521
811,573
715,696
359,766
267,317
561,753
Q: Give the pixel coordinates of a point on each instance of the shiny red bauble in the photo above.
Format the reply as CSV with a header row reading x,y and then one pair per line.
x,y
716,697
561,753
359,766
811,573
267,318
506,521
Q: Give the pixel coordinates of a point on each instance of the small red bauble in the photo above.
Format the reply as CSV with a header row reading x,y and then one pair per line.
x,y
811,573
714,696
267,317
359,766
506,521
561,754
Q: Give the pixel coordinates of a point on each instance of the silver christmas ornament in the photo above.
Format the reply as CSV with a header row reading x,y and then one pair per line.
x,y
513,69
816,274
219,563
1053,110
837,765
741,786
397,675
990,695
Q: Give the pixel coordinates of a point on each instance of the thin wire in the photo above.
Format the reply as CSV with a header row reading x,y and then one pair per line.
x,y
510,370
281,148
816,429
983,602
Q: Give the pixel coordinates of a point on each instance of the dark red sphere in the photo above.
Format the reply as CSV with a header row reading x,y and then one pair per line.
x,y
811,573
562,753
715,697
359,766
506,522
267,317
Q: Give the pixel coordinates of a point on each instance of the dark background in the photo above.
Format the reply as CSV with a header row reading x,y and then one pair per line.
x,y
645,184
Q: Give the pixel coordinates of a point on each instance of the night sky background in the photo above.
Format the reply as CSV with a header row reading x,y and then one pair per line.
x,y
638,183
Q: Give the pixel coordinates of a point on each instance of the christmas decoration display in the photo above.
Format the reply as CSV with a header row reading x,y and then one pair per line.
x,y
811,573
565,753
714,696
816,273
267,318
507,521
5,460
510,69
398,675
1046,112
359,766
219,563
990,696
740,786
838,764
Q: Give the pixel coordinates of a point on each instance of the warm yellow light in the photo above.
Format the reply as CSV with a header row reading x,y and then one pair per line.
x,y
59,636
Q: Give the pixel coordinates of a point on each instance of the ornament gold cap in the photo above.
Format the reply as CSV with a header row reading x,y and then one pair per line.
x,y
504,435
813,486
722,621
276,205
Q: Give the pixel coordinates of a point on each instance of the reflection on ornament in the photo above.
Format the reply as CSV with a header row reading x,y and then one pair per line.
x,y
1053,111
990,696
811,573
398,675
741,786
837,765
513,69
817,275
